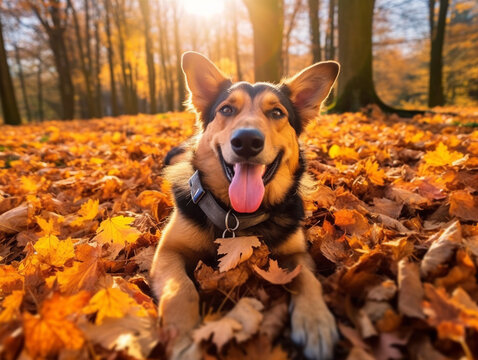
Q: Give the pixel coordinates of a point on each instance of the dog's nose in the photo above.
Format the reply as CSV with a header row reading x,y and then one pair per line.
x,y
247,142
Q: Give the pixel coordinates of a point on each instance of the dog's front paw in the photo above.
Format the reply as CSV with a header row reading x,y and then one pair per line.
x,y
313,327
186,349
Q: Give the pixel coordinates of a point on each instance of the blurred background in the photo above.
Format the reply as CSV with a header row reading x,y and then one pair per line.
x,y
64,59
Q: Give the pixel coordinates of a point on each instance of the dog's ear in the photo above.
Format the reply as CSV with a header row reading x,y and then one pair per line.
x,y
309,88
204,80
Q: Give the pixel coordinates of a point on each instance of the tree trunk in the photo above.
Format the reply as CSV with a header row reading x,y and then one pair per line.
x,y
177,47
97,71
435,84
330,36
314,29
41,115
356,87
164,55
114,96
22,83
145,11
85,68
11,115
235,37
290,27
267,18
55,29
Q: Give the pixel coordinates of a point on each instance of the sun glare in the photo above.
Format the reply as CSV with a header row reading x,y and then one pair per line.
x,y
204,8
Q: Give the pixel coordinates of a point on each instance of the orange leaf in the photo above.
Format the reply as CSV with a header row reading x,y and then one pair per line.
x,y
53,251
277,275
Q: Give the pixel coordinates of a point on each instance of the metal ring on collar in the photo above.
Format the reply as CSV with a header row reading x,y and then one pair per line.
x,y
227,221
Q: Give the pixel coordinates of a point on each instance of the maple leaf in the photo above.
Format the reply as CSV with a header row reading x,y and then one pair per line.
x,y
48,227
88,211
109,303
117,230
83,274
53,251
277,275
51,331
375,175
10,279
235,250
240,323
441,156
11,306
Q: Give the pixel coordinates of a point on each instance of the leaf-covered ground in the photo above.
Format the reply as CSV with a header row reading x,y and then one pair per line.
x,y
392,227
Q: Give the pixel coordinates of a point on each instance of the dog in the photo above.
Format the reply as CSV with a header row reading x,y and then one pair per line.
x,y
243,167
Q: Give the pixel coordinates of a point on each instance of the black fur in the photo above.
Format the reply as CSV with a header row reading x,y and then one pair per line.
x,y
285,217
282,92
177,150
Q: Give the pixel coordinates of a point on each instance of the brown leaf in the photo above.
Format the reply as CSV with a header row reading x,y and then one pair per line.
x,y
351,221
14,220
277,275
464,205
441,249
387,207
410,290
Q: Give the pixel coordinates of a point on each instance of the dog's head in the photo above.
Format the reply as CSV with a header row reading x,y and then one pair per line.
x,y
248,151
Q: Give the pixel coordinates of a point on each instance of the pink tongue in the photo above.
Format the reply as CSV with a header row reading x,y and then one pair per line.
x,y
247,189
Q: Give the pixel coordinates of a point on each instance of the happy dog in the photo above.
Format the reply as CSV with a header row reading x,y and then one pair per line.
x,y
245,164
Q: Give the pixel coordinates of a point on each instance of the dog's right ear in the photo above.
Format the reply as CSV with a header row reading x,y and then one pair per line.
x,y
203,79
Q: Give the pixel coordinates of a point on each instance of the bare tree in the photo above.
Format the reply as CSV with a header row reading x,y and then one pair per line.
x,y
330,35
23,86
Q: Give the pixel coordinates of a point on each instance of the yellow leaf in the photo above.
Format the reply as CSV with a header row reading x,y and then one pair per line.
x,y
375,175
441,156
53,251
48,227
10,279
88,211
117,230
29,184
111,303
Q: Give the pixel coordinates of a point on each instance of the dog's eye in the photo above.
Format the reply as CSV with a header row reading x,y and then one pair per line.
x,y
277,113
227,110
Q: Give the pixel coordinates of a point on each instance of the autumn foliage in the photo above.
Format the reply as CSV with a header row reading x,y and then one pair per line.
x,y
392,226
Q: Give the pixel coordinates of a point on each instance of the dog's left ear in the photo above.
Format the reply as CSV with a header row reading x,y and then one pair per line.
x,y
204,80
309,88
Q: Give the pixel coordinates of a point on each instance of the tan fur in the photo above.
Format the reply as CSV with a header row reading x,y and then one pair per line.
x,y
183,243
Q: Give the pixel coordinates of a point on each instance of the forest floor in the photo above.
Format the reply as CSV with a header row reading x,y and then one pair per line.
x,y
392,228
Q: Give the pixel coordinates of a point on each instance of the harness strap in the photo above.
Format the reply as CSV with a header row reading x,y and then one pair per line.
x,y
216,214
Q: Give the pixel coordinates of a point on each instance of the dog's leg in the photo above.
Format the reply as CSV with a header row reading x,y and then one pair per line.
x,y
313,325
178,297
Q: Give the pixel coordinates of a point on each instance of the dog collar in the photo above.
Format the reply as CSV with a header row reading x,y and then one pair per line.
x,y
216,214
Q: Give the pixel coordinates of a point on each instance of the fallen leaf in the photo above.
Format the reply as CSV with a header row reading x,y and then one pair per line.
x,y
351,221
53,251
14,220
277,275
464,205
441,156
88,211
117,230
240,323
235,250
410,289
441,249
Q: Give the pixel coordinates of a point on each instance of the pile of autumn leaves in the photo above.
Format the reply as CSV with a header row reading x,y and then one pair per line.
x,y
392,226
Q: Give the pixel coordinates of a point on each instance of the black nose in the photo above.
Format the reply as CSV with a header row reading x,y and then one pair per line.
x,y
247,142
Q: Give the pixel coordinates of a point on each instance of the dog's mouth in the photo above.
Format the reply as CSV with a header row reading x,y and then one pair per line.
x,y
247,181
